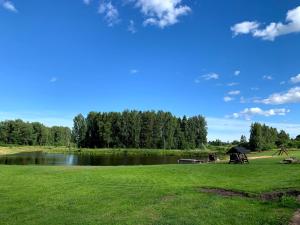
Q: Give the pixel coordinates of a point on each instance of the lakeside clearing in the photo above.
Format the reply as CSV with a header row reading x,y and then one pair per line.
x,y
165,194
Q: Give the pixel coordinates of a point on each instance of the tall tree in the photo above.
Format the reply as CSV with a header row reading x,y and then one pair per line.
x,y
79,131
282,139
255,141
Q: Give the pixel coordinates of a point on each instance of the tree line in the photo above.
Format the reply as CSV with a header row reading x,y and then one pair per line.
x,y
137,129
18,132
263,137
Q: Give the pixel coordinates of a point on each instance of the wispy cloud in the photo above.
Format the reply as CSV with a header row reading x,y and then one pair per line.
x,y
248,113
228,99
237,73
290,96
273,30
53,79
254,89
244,100
282,83
134,71
210,76
161,13
131,27
87,2
110,12
207,77
232,84
267,77
234,92
8,5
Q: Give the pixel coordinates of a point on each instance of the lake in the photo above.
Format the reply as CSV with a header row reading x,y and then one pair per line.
x,y
86,159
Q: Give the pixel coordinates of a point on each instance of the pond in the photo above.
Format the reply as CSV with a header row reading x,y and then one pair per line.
x,y
86,159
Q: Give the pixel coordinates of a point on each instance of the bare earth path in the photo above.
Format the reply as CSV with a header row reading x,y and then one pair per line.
x,y
261,157
296,218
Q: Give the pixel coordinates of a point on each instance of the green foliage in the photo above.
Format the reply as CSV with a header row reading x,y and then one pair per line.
x,y
255,141
217,142
263,137
18,132
136,129
289,202
79,131
282,138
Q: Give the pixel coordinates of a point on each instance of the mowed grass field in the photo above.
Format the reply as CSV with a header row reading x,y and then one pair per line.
x,y
166,194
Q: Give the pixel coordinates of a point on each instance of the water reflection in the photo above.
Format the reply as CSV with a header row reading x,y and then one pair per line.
x,y
85,159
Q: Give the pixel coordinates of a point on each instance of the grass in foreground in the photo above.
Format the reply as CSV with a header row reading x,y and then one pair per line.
x,y
167,194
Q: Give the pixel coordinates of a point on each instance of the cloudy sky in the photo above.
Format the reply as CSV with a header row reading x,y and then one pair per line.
x,y
234,61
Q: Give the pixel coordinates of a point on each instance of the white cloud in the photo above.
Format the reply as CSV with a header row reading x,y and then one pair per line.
x,y
244,27
295,79
131,27
273,30
236,92
248,113
228,99
237,73
8,5
162,13
110,12
267,77
134,71
53,79
291,96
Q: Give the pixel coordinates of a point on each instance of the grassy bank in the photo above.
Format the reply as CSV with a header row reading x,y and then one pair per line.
x,y
167,194
51,149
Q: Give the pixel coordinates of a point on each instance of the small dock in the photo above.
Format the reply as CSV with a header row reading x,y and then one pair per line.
x,y
190,161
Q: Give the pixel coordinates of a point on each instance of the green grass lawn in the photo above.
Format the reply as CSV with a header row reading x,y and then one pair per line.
x,y
167,194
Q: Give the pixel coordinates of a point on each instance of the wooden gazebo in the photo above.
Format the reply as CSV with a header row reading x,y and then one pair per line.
x,y
238,155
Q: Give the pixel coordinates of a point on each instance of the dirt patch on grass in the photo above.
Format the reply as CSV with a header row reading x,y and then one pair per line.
x,y
296,218
268,196
225,193
277,195
167,198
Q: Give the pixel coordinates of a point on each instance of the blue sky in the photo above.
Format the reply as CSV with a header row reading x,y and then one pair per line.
x,y
233,61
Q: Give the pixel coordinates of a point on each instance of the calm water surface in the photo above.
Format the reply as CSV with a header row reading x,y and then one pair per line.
x,y
85,159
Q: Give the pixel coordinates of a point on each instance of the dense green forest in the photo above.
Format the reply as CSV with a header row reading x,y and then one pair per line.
x,y
136,129
18,132
263,137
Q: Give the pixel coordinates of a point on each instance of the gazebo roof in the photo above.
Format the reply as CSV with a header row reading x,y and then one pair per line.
x,y
238,149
